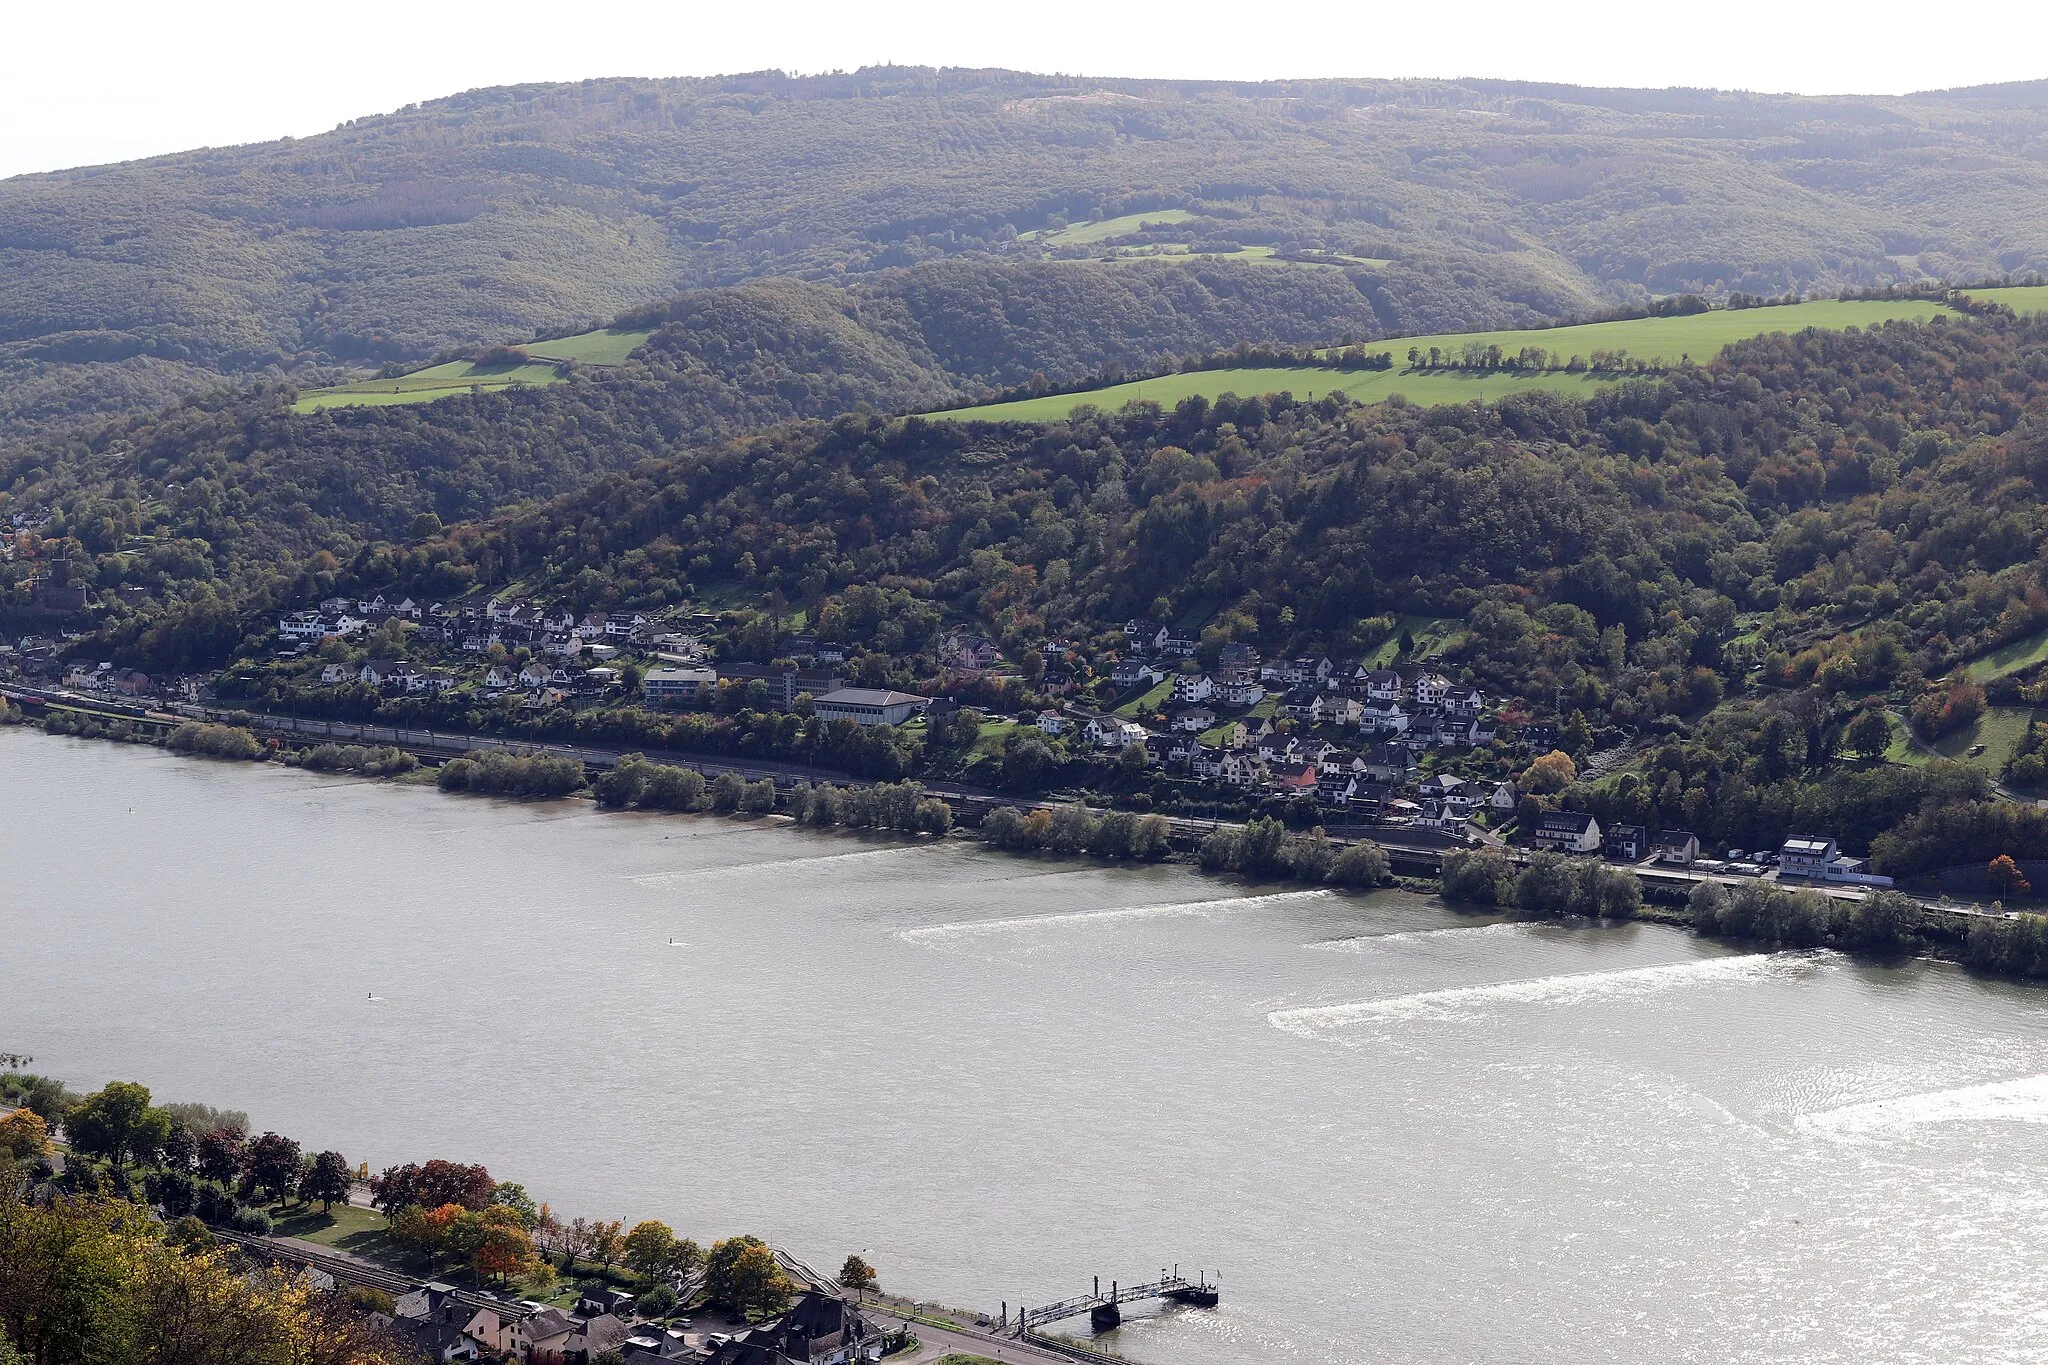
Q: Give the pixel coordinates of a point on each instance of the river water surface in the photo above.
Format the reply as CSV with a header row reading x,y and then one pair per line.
x,y
1403,1134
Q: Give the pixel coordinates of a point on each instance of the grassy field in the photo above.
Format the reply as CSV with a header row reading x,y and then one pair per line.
x,y
591,348
357,1230
1999,730
1087,234
1364,386
1654,340
463,376
2022,299
2020,654
1432,634
1147,702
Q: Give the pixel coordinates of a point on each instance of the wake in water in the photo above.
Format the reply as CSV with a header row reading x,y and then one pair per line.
x,y
684,878
941,933
2019,1101
1373,943
1466,1003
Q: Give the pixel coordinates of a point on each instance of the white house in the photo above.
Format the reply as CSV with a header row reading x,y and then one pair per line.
x,y
1382,717
335,673
1051,722
1383,685
1505,797
1568,831
1239,770
1431,688
1192,687
1195,721
1805,855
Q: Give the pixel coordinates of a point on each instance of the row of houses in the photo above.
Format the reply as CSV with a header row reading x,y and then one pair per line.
x,y
445,1325
474,628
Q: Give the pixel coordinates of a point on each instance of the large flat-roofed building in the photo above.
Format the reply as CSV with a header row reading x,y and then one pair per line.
x,y
868,706
662,686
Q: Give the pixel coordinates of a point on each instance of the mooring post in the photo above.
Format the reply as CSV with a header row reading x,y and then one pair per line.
x,y
1098,1286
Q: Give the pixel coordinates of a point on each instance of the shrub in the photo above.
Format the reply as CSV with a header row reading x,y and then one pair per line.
x,y
1152,837
213,741
758,796
726,791
1001,826
490,772
657,1302
1478,876
1361,865
1221,851
255,1222
1311,857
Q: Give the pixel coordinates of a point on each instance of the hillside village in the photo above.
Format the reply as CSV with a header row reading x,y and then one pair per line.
x,y
1397,745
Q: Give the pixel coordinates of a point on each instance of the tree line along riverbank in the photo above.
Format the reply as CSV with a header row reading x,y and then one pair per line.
x,y
1884,924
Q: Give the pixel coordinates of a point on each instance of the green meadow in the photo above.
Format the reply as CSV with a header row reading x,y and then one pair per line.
x,y
2022,299
2020,654
1999,732
1088,234
1655,341
1364,386
466,376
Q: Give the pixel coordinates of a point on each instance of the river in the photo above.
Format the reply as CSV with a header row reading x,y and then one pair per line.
x,y
1400,1132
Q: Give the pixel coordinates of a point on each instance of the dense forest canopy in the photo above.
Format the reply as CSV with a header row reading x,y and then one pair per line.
x,y
495,214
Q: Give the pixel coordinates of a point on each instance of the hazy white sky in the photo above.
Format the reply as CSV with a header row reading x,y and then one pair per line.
x,y
122,79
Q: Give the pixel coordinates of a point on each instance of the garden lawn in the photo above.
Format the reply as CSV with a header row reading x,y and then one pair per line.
x,y
1147,702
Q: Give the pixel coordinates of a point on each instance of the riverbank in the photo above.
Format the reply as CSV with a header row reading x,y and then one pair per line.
x,y
1882,925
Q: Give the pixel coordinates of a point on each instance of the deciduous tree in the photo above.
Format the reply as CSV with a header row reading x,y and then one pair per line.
x,y
118,1123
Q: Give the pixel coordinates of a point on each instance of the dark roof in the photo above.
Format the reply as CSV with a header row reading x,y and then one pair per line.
x,y
1669,837
1563,821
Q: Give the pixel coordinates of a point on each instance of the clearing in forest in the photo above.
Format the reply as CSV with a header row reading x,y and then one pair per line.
x,y
467,376
1653,341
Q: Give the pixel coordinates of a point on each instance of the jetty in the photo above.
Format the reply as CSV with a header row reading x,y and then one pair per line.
x,y
1105,1311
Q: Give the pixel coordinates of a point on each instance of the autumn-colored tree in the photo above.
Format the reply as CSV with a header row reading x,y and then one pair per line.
x,y
1869,735
607,1240
499,1246
2006,877
275,1165
1553,772
856,1274
25,1137
742,1274
649,1248
89,1280
221,1154
432,1185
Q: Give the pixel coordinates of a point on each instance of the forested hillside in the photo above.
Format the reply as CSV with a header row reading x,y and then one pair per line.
x,y
252,481
496,214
